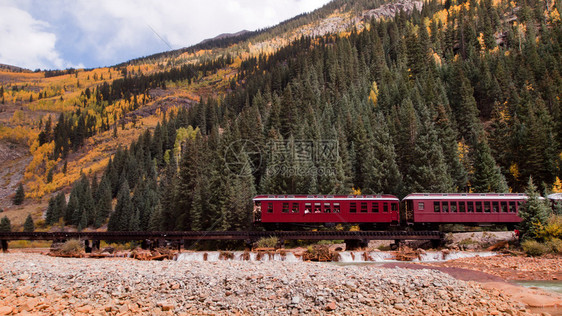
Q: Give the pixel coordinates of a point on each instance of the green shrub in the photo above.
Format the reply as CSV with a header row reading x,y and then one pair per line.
x,y
555,245
73,246
552,229
534,248
267,242
330,242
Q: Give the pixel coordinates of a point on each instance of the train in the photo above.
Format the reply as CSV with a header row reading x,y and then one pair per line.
x,y
416,210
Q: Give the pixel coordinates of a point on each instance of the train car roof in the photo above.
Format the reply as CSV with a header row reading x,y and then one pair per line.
x,y
466,196
326,197
555,196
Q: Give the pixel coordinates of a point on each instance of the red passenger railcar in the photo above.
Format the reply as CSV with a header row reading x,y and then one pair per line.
x,y
326,209
463,208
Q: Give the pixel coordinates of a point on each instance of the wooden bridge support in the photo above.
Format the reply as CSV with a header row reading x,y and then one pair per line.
x,y
87,247
353,240
395,245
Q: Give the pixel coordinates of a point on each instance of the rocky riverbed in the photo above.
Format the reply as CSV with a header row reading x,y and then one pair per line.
x,y
510,267
38,284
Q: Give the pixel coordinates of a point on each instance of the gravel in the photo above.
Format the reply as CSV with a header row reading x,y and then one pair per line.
x,y
39,284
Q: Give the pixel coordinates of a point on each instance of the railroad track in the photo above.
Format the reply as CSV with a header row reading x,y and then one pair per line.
x,y
224,235
352,238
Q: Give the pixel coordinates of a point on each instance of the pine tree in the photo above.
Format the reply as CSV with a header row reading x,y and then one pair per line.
x,y
20,195
168,191
60,207
88,204
50,175
28,226
537,148
155,222
5,225
72,213
464,106
558,208
103,201
533,212
50,214
487,175
387,179
124,211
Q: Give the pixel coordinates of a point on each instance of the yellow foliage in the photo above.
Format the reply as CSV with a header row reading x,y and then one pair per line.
x,y
40,164
441,16
557,186
355,191
183,134
496,3
514,170
18,117
554,15
503,113
481,42
354,228
551,230
463,150
374,93
19,134
437,59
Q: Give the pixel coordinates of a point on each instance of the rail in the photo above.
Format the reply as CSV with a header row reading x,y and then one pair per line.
x,y
224,235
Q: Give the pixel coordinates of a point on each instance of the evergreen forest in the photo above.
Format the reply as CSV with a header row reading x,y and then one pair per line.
x,y
462,96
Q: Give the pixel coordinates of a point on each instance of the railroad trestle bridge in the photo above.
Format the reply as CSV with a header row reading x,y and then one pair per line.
x,y
151,239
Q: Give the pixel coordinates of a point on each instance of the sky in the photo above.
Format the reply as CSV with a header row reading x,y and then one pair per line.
x,y
60,34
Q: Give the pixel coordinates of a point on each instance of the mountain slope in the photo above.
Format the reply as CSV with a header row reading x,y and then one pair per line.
x,y
415,101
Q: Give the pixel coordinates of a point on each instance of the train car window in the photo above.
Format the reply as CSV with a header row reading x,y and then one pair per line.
x,y
495,207
353,207
478,207
394,207
511,206
375,207
317,207
445,207
454,207
307,208
462,206
295,208
421,206
285,208
336,207
385,207
470,207
504,206
487,206
363,207
436,207
327,208
270,207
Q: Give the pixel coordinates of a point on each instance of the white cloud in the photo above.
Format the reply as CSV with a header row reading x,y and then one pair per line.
x,y
25,42
107,32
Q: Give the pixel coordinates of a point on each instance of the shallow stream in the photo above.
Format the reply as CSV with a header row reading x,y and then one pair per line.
x,y
552,286
343,256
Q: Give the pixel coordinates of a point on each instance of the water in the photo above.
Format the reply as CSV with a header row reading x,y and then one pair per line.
x,y
213,256
551,286
361,257
439,256
191,256
378,256
343,256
